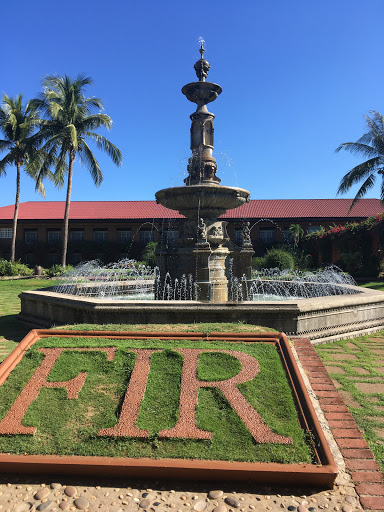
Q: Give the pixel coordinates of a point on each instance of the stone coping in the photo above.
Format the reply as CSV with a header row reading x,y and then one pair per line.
x,y
319,318
321,474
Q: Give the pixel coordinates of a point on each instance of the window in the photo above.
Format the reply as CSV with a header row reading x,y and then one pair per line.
x,y
30,259
287,234
267,235
53,258
100,235
30,236
123,235
77,235
239,236
6,232
313,229
171,235
146,236
54,236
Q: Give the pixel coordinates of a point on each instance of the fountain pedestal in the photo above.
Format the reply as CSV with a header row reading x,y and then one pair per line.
x,y
203,246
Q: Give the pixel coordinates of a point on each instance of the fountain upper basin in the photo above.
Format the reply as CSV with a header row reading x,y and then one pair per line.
x,y
209,199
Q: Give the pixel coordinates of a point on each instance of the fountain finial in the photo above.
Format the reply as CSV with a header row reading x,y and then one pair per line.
x,y
202,66
202,49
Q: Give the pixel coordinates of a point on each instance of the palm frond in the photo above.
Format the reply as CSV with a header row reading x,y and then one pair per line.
x,y
96,121
356,148
61,168
7,161
5,144
88,158
357,174
366,138
93,104
104,144
368,183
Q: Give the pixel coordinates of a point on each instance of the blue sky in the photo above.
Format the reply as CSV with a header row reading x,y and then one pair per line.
x,y
297,79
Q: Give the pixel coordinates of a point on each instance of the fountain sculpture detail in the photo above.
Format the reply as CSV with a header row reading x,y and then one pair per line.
x,y
204,248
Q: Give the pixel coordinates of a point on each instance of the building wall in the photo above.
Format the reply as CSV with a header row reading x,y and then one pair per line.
x,y
44,252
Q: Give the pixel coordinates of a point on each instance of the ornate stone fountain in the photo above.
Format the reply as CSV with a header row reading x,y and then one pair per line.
x,y
204,248
205,251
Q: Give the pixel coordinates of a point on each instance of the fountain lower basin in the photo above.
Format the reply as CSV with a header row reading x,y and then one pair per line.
x,y
318,318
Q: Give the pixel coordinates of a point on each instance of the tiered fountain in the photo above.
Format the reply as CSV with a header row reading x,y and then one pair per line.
x,y
205,254
204,247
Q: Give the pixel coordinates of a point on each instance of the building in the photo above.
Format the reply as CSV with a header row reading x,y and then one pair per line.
x,y
111,230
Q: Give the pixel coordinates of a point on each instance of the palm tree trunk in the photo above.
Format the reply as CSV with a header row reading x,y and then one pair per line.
x,y
16,214
67,206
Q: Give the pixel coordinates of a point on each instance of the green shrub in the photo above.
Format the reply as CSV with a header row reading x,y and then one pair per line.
x,y
278,258
258,262
149,254
57,270
358,265
7,268
351,262
303,261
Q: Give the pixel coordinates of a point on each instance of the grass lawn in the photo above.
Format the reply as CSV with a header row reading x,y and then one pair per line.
x,y
12,331
375,285
70,426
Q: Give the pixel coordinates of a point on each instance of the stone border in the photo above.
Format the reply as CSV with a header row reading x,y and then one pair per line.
x,y
359,460
319,318
321,474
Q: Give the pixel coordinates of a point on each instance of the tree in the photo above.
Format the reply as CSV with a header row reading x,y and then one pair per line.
x,y
370,145
70,121
149,254
18,125
296,232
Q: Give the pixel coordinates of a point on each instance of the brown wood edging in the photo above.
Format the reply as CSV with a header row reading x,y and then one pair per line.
x,y
322,474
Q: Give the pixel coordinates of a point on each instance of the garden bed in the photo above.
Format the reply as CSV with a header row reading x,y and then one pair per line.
x,y
217,404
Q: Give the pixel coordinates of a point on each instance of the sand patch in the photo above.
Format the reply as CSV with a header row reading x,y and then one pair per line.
x,y
367,387
336,369
352,346
379,432
361,371
379,419
337,384
348,399
344,356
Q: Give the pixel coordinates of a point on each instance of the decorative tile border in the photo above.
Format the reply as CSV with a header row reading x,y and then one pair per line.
x,y
359,459
321,474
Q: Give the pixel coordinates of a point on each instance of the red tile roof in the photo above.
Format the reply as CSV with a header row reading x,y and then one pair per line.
x,y
256,209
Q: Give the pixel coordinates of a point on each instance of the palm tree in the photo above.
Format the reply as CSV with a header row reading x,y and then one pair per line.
x,y
18,124
70,121
296,232
370,145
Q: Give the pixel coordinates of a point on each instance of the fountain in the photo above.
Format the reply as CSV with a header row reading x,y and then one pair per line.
x,y
207,277
204,247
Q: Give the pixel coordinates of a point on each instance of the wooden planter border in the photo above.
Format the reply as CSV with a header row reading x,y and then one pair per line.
x,y
321,474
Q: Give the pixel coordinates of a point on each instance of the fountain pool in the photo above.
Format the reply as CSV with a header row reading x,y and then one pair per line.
x,y
347,310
